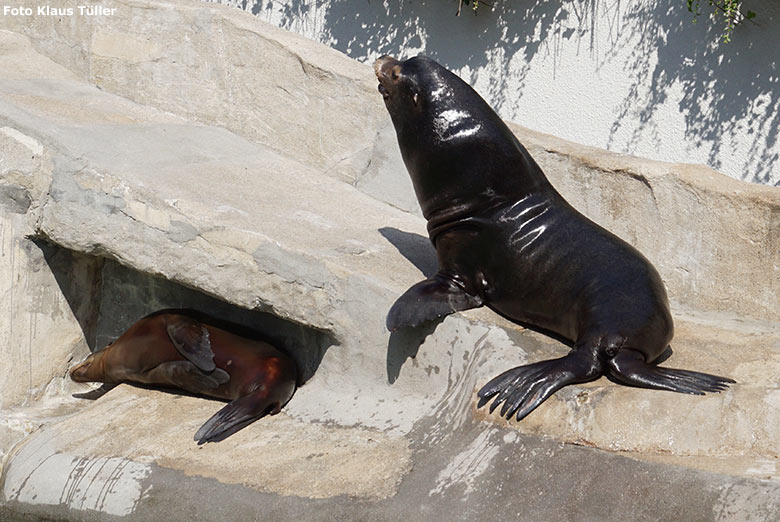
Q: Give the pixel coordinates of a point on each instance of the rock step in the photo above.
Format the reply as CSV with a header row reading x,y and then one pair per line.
x,y
286,469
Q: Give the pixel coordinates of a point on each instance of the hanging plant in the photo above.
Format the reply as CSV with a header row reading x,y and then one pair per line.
x,y
474,5
727,10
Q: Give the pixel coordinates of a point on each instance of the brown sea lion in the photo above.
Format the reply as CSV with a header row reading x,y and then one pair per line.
x,y
506,239
183,349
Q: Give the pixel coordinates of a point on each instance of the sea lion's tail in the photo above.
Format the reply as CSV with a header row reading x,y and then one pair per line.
x,y
629,367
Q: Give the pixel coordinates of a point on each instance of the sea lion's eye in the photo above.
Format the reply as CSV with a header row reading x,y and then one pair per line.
x,y
395,73
415,98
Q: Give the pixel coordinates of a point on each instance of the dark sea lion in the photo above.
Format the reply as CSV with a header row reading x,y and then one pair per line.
x,y
184,349
506,239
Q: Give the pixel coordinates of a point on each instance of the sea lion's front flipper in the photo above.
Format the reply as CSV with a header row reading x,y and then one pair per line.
x,y
191,339
524,388
430,299
187,376
236,415
629,367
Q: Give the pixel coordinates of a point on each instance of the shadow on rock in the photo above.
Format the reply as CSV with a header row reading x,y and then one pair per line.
x,y
414,247
404,344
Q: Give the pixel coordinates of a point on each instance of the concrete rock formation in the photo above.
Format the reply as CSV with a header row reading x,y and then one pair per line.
x,y
143,168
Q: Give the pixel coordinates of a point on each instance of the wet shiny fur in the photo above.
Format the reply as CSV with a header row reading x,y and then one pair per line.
x,y
506,239
184,349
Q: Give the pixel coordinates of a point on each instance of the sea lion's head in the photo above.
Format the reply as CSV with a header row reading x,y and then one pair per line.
x,y
421,94
398,84
456,148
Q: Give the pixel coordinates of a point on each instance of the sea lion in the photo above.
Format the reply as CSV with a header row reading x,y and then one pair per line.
x,y
184,349
506,239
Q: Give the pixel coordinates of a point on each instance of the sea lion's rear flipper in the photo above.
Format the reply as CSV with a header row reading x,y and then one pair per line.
x,y
187,376
629,367
430,299
236,415
95,394
524,388
191,339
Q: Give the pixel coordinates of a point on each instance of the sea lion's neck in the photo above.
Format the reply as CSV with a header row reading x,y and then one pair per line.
x,y
463,213
479,212
462,191
463,169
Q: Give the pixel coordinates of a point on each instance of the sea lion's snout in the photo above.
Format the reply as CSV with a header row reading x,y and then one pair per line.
x,y
383,91
387,70
79,373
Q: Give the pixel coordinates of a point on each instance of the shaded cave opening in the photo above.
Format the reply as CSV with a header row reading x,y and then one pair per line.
x,y
107,297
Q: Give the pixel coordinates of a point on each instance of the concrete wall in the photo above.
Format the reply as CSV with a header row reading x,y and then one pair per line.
x,y
634,76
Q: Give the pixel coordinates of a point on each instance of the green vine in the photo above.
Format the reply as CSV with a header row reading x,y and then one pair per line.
x,y
474,5
727,10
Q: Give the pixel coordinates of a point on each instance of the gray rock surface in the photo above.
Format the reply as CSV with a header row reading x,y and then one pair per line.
x,y
141,195
41,337
217,66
